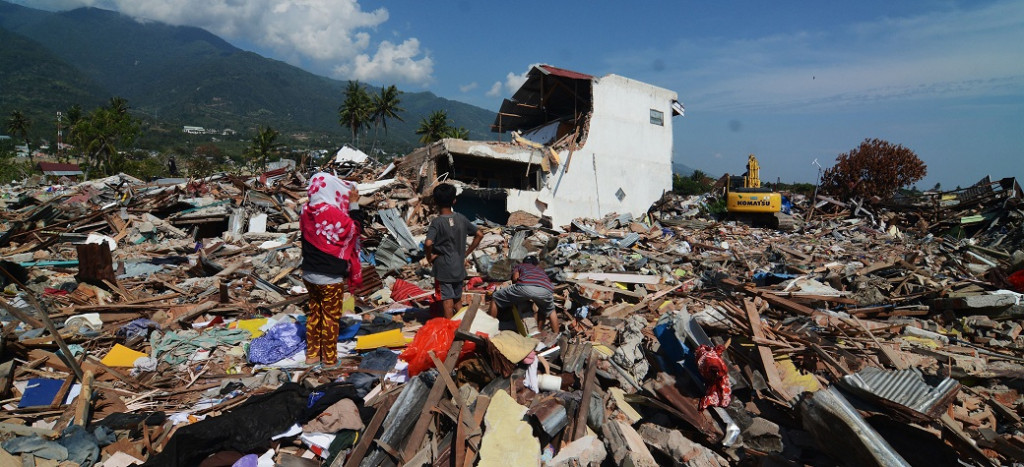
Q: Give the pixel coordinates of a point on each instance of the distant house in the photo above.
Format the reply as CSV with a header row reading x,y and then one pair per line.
x,y
55,169
193,130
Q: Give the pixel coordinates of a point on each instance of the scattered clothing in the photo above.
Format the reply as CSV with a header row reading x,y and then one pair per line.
x,y
138,328
278,343
343,415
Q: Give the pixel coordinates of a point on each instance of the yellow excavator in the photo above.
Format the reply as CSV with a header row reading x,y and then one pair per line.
x,y
748,201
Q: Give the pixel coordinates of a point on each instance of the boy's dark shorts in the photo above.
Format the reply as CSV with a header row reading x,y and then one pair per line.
x,y
449,290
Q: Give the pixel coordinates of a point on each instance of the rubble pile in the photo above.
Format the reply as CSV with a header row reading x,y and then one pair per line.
x,y
162,324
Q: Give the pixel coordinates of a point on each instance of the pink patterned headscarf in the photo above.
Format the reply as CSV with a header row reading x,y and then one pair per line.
x,y
326,225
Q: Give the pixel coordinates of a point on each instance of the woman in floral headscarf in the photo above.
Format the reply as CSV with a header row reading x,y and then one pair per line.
x,y
330,254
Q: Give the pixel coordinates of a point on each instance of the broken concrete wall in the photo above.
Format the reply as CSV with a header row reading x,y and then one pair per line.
x,y
623,151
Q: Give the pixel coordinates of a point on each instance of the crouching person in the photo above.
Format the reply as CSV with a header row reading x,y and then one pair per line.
x,y
529,285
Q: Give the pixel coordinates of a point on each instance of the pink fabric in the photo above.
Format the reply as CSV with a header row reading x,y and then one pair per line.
x,y
716,376
326,225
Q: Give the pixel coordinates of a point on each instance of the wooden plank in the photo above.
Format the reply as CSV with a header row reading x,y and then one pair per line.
x,y
84,401
482,402
65,352
589,380
767,358
890,355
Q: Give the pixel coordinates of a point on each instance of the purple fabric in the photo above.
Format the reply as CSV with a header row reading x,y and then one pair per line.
x,y
279,342
248,460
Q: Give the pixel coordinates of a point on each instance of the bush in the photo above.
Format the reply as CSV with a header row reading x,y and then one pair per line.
x,y
875,168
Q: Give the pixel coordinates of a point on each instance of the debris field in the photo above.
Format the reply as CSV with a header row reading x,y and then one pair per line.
x,y
162,324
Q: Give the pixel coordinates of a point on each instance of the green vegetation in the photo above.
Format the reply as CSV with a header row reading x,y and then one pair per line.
x,y
263,143
697,183
438,126
18,125
176,76
356,112
100,135
386,107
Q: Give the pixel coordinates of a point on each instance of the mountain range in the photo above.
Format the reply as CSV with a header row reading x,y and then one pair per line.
x,y
179,75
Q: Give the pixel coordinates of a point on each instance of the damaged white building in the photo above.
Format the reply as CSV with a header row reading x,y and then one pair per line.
x,y
580,146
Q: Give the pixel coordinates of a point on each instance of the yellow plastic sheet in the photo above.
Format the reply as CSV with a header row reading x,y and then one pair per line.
x,y
121,356
251,325
392,338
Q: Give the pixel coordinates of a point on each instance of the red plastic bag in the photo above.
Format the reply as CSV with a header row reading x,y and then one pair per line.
x,y
437,335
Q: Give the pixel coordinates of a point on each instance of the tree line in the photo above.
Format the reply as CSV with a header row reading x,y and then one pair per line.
x,y
99,139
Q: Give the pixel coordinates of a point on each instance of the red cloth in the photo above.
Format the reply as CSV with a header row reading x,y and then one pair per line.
x,y
1017,280
716,376
326,225
403,290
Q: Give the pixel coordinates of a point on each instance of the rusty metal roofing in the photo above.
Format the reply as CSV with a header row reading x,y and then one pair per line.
x,y
548,69
904,387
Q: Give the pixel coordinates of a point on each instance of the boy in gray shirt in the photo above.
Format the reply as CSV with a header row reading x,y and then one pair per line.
x,y
445,248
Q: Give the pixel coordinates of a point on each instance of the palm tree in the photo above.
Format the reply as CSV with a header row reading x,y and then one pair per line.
x,y
263,143
103,131
459,133
434,127
385,106
119,105
355,112
18,125
74,115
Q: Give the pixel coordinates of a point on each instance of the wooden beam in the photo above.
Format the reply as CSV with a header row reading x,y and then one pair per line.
x,y
84,401
589,380
767,358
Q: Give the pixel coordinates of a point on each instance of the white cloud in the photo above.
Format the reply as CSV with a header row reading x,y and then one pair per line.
x,y
495,90
511,84
468,87
321,35
391,62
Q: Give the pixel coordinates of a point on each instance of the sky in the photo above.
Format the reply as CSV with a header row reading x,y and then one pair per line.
x,y
792,82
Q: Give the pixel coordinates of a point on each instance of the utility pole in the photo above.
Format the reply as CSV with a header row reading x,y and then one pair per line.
x,y
60,119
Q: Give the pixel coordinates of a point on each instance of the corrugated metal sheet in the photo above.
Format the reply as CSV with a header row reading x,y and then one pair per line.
x,y
396,226
629,240
904,387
